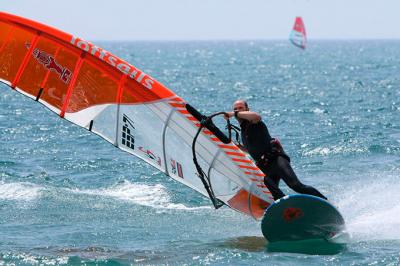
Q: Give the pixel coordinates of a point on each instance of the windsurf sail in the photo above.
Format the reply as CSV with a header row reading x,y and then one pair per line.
x,y
100,92
298,34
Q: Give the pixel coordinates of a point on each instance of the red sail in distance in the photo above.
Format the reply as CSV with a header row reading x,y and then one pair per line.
x,y
298,34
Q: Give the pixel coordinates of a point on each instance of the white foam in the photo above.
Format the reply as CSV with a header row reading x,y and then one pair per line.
x,y
318,111
40,260
371,207
155,196
19,191
333,150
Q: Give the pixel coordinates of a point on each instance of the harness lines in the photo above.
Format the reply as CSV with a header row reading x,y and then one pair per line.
x,y
206,122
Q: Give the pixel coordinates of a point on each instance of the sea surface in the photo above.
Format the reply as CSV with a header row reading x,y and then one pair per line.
x,y
69,197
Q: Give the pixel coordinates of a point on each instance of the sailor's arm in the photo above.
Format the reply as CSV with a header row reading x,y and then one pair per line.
x,y
246,115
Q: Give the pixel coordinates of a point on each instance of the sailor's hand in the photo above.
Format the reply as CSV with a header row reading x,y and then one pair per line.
x,y
240,146
228,115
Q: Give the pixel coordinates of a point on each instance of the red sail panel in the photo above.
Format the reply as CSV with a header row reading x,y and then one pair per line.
x,y
92,87
5,33
38,59
13,52
249,204
34,73
56,87
299,26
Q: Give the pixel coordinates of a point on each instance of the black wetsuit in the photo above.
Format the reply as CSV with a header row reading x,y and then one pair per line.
x,y
272,160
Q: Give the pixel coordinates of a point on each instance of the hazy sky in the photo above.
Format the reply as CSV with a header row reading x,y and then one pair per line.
x,y
213,19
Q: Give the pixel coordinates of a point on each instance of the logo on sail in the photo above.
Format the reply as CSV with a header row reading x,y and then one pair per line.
x,y
51,64
176,168
151,155
127,129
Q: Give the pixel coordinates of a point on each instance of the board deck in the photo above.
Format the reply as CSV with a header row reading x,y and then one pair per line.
x,y
301,217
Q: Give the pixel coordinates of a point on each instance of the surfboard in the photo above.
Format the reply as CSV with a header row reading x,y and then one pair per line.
x,y
301,217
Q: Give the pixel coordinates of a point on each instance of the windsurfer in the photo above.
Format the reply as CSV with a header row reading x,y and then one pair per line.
x,y
267,152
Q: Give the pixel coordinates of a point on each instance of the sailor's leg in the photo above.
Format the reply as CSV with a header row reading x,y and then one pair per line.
x,y
290,178
271,180
273,188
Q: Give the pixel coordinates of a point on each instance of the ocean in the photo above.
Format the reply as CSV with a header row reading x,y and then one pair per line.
x,y
67,197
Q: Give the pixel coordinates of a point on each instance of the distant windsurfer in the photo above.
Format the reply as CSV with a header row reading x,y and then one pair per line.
x,y
267,152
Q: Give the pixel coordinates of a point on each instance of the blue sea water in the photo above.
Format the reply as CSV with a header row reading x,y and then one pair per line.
x,y
68,197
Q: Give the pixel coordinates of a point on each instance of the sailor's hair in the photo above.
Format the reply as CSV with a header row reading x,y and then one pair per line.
x,y
245,103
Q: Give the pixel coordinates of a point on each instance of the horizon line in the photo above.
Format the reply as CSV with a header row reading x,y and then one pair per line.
x,y
245,40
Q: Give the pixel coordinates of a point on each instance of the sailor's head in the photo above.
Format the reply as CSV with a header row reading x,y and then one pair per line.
x,y
240,105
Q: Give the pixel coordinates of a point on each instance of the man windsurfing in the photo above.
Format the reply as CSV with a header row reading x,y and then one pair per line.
x,y
267,152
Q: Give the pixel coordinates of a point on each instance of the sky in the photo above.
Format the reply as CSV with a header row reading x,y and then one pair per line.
x,y
213,19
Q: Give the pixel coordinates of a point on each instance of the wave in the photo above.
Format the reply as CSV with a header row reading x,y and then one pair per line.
x,y
20,191
324,151
16,258
155,196
371,206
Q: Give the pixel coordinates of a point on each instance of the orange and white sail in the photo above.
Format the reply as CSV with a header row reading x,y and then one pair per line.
x,y
102,93
298,34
